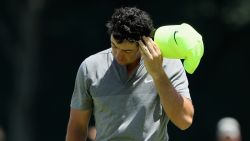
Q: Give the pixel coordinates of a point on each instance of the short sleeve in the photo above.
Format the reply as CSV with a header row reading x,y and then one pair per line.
x,y
178,77
81,98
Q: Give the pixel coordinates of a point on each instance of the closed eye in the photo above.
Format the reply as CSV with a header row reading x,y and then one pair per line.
x,y
126,51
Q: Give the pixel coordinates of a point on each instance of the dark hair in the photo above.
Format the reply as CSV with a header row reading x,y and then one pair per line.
x,y
130,23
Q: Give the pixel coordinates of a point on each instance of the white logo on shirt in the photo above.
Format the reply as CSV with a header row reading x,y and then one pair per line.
x,y
148,80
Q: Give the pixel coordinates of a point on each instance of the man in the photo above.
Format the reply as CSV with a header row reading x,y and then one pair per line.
x,y
228,129
131,89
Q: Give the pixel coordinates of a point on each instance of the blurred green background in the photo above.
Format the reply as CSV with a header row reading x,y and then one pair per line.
x,y
43,42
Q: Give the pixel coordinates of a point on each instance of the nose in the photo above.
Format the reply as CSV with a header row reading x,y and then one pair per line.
x,y
119,54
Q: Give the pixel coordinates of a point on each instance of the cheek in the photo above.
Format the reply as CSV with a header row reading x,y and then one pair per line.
x,y
138,54
133,57
114,52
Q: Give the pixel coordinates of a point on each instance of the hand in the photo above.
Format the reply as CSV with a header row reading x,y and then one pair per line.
x,y
151,55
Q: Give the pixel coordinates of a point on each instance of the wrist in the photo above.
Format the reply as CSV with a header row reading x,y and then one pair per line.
x,y
159,74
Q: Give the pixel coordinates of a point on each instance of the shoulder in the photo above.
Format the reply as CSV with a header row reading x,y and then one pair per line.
x,y
172,63
173,66
99,58
96,61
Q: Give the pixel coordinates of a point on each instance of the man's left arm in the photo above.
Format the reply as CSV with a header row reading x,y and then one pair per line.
x,y
179,109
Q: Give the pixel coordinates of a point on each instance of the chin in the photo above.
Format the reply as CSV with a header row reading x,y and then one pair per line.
x,y
121,62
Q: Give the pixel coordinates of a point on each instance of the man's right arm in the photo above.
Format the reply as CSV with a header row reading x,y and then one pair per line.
x,y
78,125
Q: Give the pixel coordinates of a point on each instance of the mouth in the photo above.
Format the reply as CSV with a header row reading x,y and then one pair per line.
x,y
120,61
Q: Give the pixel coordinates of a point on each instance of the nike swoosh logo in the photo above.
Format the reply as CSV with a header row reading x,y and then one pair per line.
x,y
175,38
148,80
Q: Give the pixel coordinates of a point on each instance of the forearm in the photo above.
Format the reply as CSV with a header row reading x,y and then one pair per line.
x,y
77,129
76,135
178,108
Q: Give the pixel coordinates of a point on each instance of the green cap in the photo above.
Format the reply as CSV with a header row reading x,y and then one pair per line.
x,y
180,42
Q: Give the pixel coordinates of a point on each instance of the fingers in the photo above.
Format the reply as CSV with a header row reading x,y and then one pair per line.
x,y
154,45
144,50
150,45
149,48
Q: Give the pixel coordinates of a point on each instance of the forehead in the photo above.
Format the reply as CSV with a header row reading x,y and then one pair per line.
x,y
125,44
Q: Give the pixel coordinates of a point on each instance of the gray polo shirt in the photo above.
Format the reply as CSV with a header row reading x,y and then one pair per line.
x,y
126,108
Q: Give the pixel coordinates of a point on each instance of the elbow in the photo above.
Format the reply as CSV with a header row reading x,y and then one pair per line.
x,y
186,123
187,119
